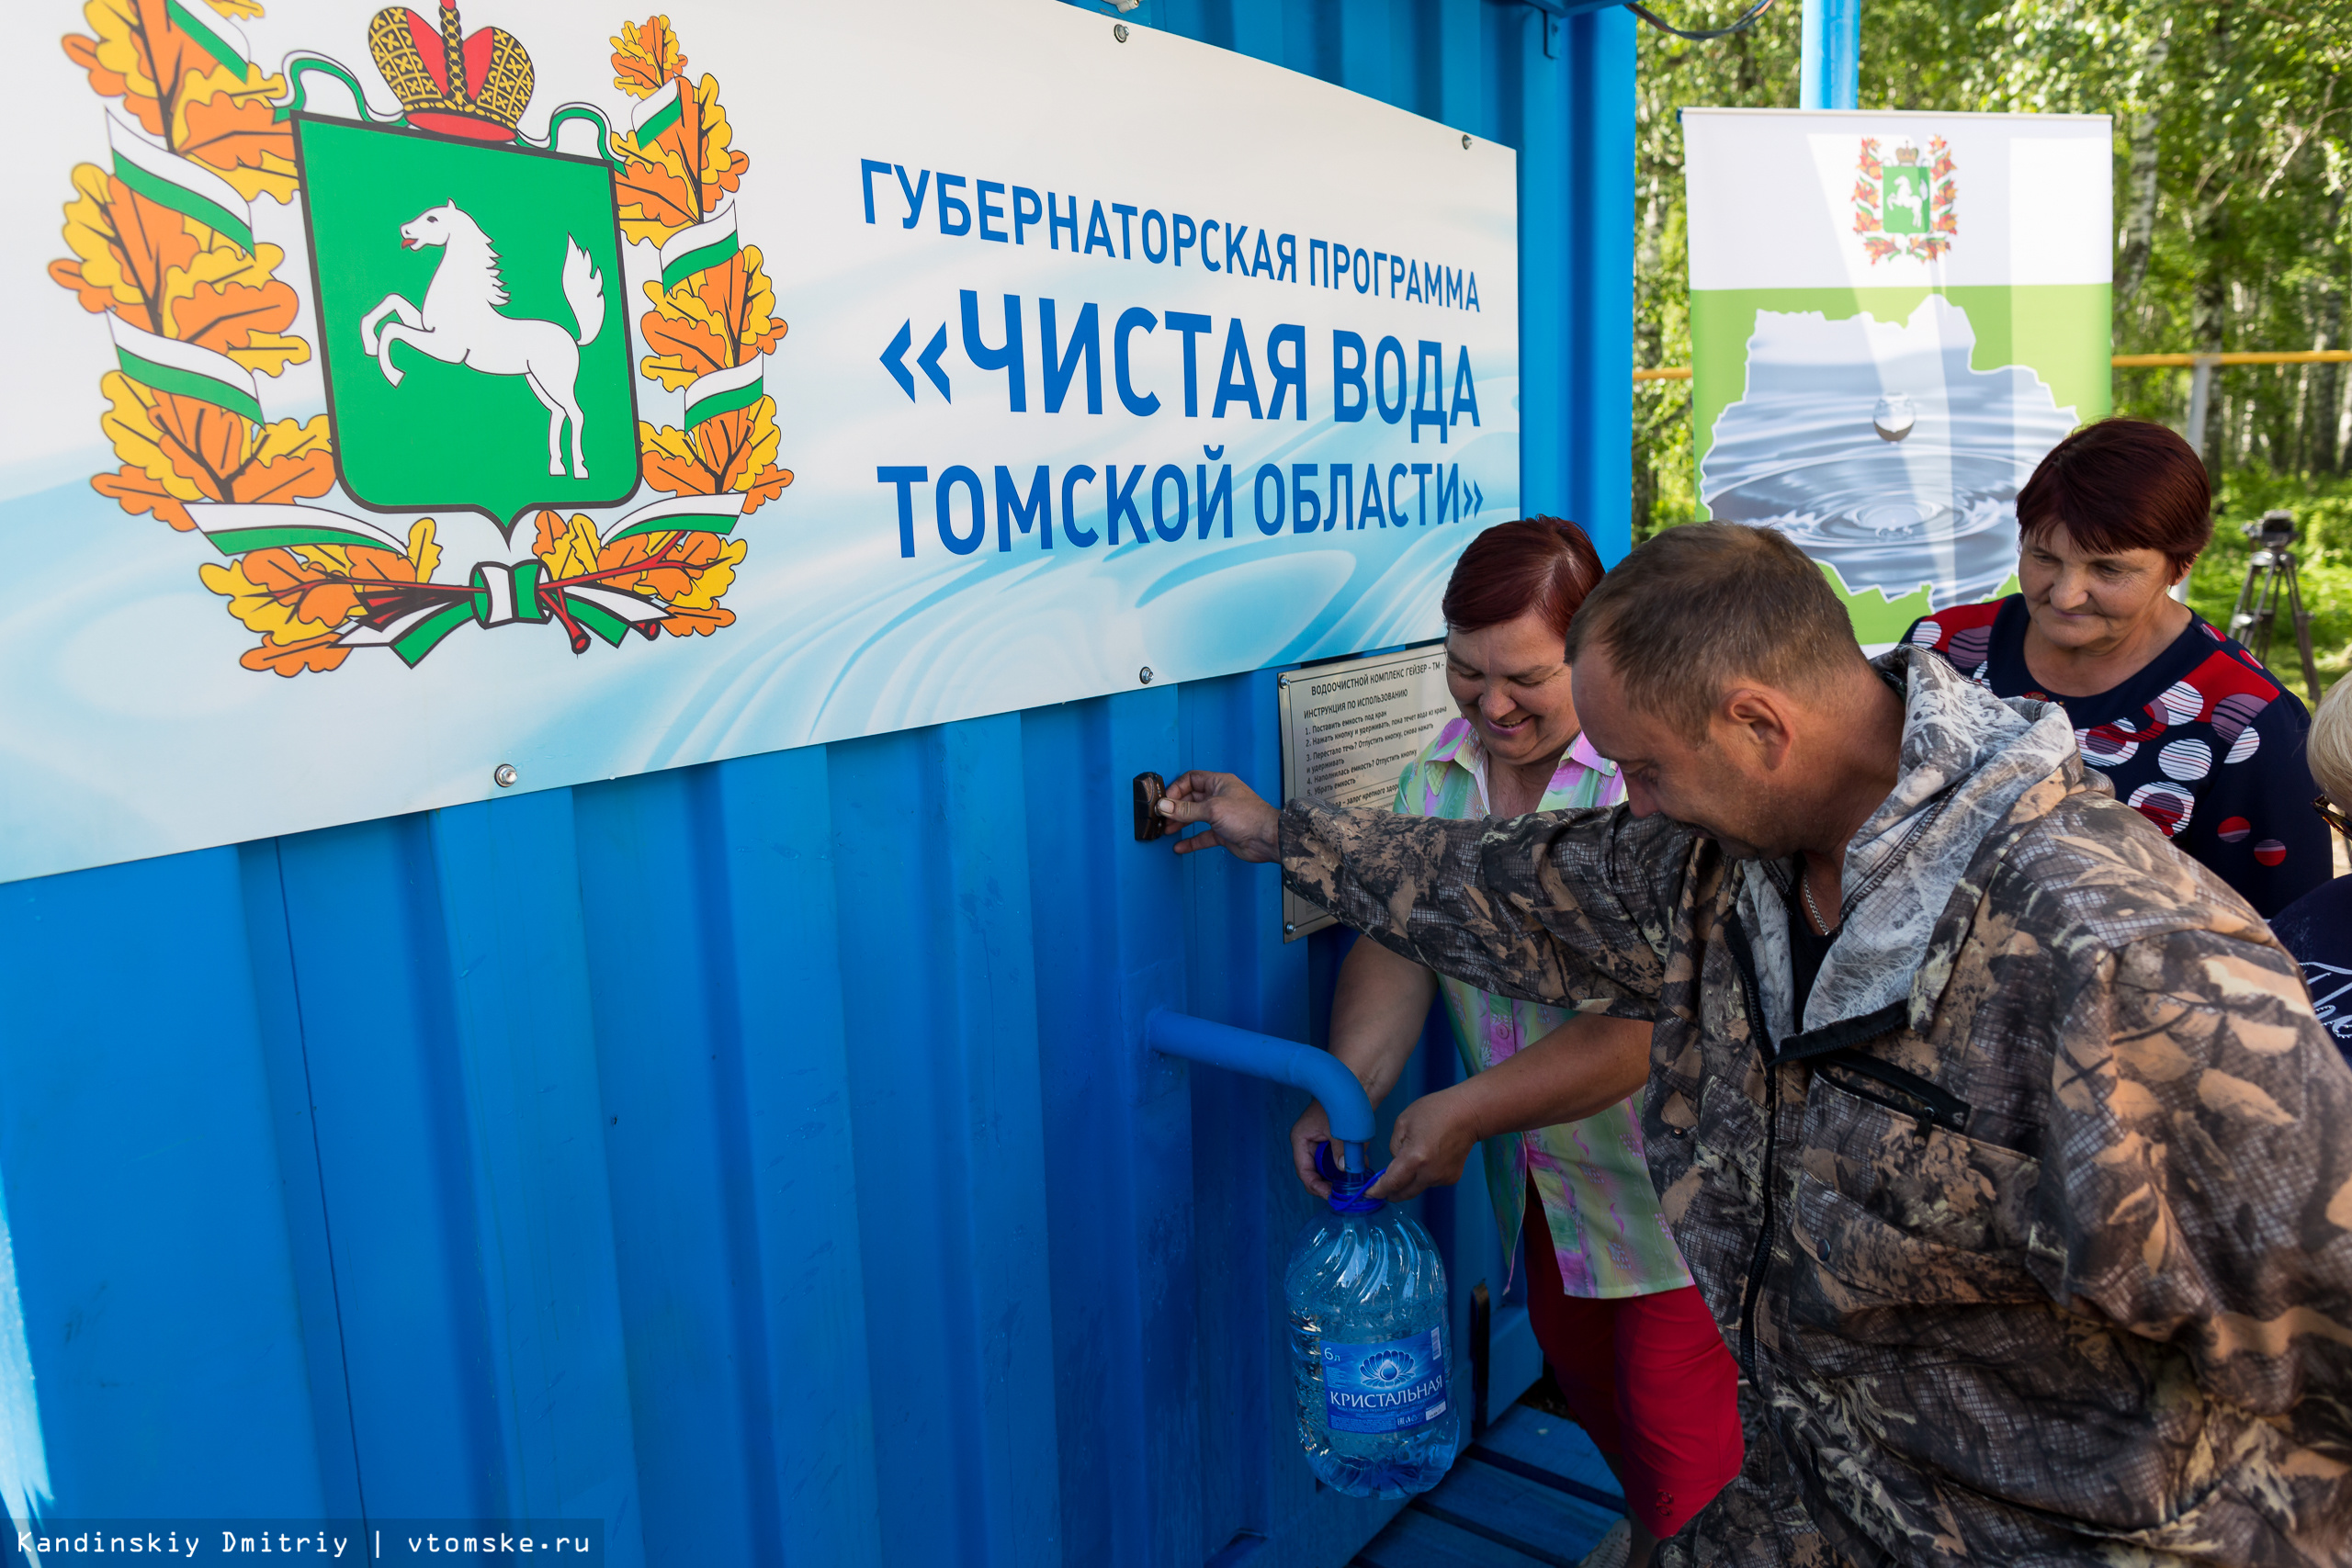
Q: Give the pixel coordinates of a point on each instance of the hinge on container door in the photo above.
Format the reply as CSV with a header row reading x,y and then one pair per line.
x,y
1553,12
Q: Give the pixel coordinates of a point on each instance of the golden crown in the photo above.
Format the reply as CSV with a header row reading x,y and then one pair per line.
x,y
476,87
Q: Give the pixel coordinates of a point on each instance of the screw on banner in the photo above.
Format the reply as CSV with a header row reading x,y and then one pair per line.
x,y
1144,674
503,775
1119,32
1465,141
894,360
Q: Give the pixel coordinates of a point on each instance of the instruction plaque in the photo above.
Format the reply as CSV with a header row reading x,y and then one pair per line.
x,y
1349,727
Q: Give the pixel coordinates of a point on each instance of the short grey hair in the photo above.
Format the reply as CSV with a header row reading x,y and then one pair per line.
x,y
2330,745
1699,608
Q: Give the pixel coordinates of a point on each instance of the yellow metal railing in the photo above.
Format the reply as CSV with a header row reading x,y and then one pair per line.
x,y
2186,361
2122,361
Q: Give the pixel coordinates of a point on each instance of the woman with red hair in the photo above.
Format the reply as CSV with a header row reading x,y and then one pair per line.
x,y
2185,723
1634,1348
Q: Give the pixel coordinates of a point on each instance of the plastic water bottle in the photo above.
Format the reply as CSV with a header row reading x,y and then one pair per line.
x,y
1369,1350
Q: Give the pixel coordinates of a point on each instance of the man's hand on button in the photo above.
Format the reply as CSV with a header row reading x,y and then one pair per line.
x,y
1236,818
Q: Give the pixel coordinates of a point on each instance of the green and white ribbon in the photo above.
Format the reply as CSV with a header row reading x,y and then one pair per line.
x,y
179,184
215,35
234,527
683,514
689,251
612,614
414,635
658,113
504,593
724,391
633,608
564,115
699,247
169,366
193,191
495,594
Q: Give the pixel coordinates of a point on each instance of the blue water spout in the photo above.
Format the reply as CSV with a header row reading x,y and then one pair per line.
x,y
1319,1073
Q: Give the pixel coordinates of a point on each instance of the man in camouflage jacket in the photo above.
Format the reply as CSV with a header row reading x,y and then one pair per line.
x,y
2033,1235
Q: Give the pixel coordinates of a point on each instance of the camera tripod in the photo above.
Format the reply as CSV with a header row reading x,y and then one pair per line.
x,y
2269,573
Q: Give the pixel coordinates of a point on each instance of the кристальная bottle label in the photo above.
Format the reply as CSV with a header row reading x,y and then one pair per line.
x,y
1392,1386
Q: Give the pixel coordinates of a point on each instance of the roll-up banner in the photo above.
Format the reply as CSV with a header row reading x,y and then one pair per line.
x,y
1893,317
413,406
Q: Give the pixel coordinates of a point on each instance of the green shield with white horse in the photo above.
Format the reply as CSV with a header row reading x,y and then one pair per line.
x,y
469,308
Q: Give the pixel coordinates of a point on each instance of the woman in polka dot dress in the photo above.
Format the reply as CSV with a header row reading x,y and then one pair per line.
x,y
2185,723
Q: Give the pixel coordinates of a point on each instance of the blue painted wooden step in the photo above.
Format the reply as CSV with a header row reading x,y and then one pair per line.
x,y
1532,1492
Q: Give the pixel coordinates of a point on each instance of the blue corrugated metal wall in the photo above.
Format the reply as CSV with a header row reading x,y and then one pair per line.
x,y
757,1156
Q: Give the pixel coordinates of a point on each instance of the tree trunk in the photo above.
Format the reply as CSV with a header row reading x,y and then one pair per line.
x,y
2339,416
1648,347
2300,426
1746,74
2209,310
2140,219
1645,482
2326,396
2209,319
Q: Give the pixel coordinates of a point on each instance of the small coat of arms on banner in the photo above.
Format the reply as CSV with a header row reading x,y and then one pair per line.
x,y
1904,207
473,331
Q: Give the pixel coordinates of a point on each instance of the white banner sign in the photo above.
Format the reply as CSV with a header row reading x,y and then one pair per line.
x,y
1893,317
416,405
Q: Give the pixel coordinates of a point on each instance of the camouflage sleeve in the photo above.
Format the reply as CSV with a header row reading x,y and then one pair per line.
x,y
1405,787
2203,1180
1561,907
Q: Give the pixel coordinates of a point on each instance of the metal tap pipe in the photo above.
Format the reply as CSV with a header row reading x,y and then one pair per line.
x,y
1319,1073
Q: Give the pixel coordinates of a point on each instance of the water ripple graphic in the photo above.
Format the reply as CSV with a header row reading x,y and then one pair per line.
x,y
1877,448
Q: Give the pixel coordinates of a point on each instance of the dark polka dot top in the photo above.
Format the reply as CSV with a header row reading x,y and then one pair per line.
x,y
2203,742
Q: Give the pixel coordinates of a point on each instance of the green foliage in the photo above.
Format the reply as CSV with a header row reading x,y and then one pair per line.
x,y
1754,69
2232,161
1757,68
2322,509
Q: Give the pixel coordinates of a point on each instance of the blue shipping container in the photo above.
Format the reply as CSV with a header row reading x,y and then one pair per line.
x,y
760,1158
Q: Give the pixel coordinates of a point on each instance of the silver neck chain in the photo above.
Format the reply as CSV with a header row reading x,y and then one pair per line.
x,y
1805,890
1879,872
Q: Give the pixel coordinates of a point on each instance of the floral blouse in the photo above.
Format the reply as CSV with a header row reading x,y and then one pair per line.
x,y
1607,1230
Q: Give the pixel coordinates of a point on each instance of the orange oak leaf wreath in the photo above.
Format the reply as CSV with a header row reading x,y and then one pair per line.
x,y
163,249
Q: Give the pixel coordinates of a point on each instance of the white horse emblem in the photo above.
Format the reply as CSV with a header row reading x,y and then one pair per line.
x,y
460,323
1912,198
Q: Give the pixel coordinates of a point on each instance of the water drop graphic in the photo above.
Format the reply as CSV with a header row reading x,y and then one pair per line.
x,y
1894,417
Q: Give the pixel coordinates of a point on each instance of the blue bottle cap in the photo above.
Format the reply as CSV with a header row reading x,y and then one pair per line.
x,y
1348,1185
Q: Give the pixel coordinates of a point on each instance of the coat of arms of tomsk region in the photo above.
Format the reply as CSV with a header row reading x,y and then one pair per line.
x,y
468,300
1904,207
